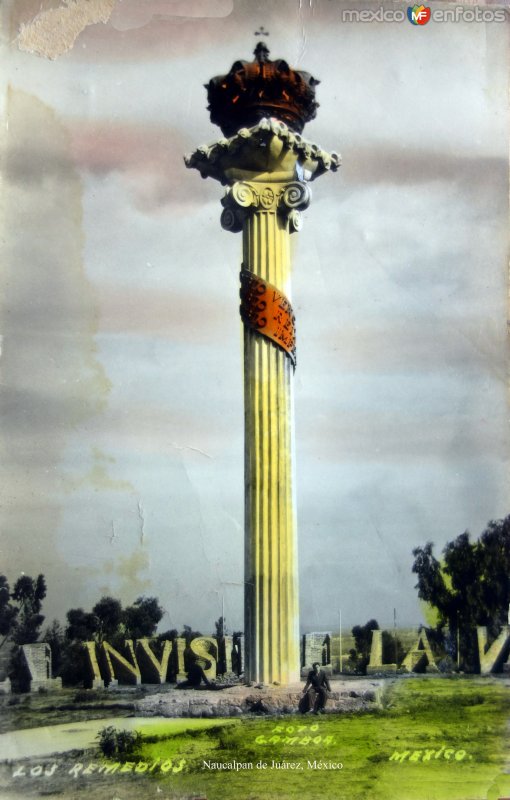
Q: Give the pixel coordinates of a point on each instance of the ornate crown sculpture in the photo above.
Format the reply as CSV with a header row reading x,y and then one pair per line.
x,y
262,88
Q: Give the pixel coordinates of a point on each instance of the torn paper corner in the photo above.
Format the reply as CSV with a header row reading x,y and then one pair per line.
x,y
53,32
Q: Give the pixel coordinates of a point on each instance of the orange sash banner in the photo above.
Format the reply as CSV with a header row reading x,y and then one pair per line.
x,y
265,309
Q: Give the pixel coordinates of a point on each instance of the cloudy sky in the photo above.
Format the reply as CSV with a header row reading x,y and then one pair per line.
x,y
120,373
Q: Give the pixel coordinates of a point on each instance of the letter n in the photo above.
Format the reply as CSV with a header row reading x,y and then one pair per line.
x,y
129,672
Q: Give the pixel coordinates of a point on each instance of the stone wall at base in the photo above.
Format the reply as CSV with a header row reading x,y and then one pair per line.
x,y
38,663
236,701
316,647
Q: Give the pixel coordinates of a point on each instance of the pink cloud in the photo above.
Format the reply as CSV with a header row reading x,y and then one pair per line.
x,y
131,14
149,158
155,313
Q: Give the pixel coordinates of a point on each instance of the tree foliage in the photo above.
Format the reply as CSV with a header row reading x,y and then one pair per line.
x,y
363,641
171,634
29,594
108,620
8,611
54,635
20,621
470,586
189,634
20,617
108,613
82,626
142,618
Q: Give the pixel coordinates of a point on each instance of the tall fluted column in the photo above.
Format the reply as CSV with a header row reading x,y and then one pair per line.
x,y
266,168
270,213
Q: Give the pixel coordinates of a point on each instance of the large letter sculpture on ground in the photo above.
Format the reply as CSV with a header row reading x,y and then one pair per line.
x,y
262,107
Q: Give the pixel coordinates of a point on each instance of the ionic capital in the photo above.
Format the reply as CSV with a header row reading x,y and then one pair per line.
x,y
245,197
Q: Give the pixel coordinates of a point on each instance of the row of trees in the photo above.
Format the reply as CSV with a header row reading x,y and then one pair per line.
x,y
468,587
21,618
21,621
107,620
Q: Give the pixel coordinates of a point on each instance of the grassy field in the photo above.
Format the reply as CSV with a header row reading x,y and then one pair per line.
x,y
435,739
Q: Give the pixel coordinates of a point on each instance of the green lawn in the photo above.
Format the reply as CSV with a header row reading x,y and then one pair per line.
x,y
435,739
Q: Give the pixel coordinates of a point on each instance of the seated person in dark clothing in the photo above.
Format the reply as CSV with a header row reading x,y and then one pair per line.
x,y
317,686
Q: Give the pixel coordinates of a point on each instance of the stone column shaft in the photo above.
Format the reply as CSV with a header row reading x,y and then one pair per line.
x,y
271,585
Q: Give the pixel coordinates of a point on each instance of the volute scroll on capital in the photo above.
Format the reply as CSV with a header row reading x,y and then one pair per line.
x,y
232,220
243,198
296,195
